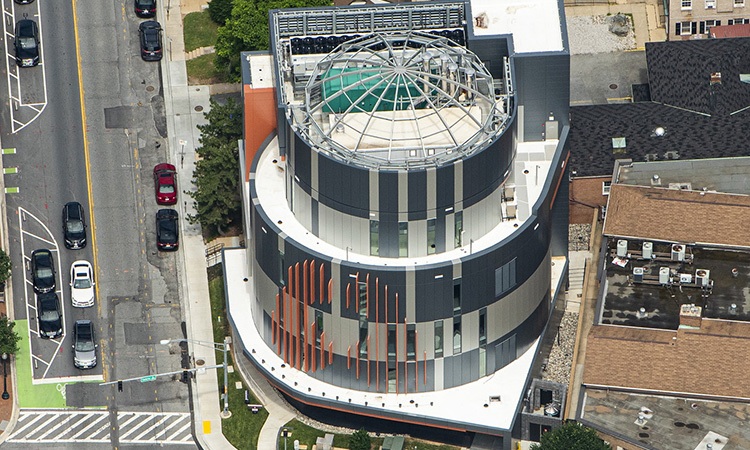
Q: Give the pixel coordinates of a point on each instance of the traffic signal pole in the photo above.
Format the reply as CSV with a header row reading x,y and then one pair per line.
x,y
147,378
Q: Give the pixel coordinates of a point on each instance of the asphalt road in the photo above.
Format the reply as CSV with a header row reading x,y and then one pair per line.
x,y
138,297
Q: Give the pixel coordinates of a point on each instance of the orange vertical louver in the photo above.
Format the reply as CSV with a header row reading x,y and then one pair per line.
x,y
322,283
330,353
311,283
330,291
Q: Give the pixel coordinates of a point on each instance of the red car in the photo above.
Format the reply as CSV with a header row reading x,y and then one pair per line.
x,y
165,184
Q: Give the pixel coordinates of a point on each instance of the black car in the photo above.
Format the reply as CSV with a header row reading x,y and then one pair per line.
x,y
50,315
74,225
145,8
84,345
27,43
24,2
42,271
167,237
151,48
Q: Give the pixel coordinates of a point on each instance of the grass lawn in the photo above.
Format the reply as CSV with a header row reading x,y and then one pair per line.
x,y
199,30
243,428
201,70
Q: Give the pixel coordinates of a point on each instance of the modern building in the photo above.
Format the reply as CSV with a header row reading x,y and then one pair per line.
x,y
691,19
406,213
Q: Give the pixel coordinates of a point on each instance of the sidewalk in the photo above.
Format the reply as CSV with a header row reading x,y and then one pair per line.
x,y
185,106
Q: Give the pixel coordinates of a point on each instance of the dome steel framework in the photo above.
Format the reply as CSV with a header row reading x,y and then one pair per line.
x,y
401,100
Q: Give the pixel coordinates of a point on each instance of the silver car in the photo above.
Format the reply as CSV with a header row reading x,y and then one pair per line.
x,y
84,347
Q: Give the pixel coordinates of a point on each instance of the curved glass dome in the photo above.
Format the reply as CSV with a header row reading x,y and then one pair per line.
x,y
404,99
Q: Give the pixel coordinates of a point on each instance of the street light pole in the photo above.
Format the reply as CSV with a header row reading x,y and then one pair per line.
x,y
224,347
6,396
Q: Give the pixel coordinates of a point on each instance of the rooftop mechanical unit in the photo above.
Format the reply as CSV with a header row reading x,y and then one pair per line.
x,y
622,248
648,250
678,252
638,274
663,275
701,277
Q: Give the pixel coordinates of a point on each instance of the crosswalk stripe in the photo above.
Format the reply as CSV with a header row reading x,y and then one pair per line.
x,y
163,431
85,429
181,430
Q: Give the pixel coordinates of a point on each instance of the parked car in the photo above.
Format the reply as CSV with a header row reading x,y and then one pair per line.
x,y
167,236
42,271
165,184
74,225
27,43
151,48
50,315
145,8
84,345
82,284
24,2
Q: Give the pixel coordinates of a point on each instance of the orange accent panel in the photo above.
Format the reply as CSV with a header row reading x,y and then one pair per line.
x,y
311,281
368,360
274,323
396,345
287,307
330,353
322,350
330,290
305,318
322,283
348,290
356,360
349,357
377,335
305,282
312,351
260,121
367,298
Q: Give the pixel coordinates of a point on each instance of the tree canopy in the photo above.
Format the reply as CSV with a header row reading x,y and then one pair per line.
x,y
216,175
8,336
571,435
247,29
360,440
5,267
220,10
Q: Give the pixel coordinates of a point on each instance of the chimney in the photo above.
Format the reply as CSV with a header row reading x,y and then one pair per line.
x,y
690,316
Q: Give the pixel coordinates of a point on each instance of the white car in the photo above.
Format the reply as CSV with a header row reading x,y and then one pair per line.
x,y
82,284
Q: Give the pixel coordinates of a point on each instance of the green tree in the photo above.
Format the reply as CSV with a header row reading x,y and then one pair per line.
x,y
571,435
5,267
216,175
360,440
8,336
220,10
247,29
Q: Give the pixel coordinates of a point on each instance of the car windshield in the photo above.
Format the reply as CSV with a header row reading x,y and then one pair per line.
x,y
84,346
50,315
27,43
82,283
75,226
44,272
166,189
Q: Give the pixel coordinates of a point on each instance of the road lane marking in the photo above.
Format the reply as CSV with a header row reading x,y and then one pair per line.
x,y
9,151
10,170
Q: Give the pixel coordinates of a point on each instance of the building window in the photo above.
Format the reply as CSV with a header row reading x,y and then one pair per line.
x,y
439,339
505,277
374,238
687,4
411,342
482,362
391,341
456,335
739,4
391,380
458,220
685,28
403,239
710,4
457,296
704,26
281,269
737,21
606,186
318,325
482,327
363,325
430,236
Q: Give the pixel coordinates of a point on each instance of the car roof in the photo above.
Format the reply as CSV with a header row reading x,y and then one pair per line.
x,y
25,26
83,322
41,253
48,299
74,209
149,25
166,214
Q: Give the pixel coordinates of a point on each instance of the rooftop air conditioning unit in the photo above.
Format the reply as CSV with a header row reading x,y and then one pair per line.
x,y
638,274
678,252
701,277
663,275
648,250
686,278
622,248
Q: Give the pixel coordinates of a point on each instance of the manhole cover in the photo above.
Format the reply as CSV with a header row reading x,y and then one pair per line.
x,y
643,435
199,108
199,362
692,426
149,89
679,424
613,86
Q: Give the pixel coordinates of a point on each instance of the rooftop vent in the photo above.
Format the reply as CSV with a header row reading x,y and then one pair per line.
x,y
733,308
659,132
641,314
655,180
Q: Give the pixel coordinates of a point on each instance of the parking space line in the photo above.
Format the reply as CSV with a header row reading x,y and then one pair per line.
x,y
10,170
12,190
9,151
